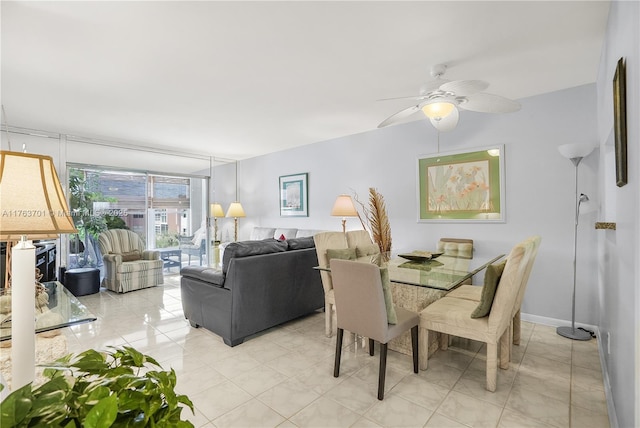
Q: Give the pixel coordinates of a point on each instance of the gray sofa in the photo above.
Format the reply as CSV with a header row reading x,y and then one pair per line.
x,y
261,284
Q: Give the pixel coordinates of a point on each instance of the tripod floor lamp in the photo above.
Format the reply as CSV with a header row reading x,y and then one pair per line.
x,y
575,153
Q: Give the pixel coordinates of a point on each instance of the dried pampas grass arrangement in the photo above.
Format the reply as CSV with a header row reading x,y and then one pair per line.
x,y
376,215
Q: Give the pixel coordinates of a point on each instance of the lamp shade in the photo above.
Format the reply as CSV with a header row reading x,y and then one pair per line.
x,y
235,210
343,207
576,150
31,198
438,109
215,210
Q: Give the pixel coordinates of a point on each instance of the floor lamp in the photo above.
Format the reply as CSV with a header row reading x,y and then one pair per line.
x,y
575,153
31,195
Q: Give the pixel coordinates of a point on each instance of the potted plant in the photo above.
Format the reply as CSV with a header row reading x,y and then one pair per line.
x,y
94,389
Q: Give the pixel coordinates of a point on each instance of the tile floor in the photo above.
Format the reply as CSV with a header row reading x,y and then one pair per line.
x,y
284,377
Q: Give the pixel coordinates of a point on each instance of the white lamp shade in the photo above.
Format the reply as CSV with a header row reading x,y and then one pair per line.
x,y
215,210
31,197
343,207
576,150
235,210
438,109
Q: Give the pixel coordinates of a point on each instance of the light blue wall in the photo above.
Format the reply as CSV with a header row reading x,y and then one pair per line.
x,y
539,184
619,275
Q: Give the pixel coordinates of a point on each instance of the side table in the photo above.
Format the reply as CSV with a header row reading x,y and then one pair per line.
x,y
82,281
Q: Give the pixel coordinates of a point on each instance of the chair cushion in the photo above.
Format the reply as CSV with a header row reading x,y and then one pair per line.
x,y
491,281
341,253
392,317
131,256
367,250
468,292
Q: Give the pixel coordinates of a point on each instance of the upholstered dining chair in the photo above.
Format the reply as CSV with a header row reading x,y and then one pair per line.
x,y
323,242
474,293
361,309
451,315
128,265
456,247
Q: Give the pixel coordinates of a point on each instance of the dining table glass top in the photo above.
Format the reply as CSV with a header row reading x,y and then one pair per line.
x,y
442,273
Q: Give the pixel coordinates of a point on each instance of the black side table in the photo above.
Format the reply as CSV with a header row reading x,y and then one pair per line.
x,y
82,281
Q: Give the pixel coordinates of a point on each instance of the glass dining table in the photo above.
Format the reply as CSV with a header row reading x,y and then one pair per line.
x,y
415,284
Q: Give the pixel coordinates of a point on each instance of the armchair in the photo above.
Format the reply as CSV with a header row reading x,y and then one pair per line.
x,y
195,245
128,266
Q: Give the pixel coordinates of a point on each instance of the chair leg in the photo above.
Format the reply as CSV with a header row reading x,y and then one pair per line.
x,y
336,364
383,370
516,328
327,318
505,348
444,341
414,347
423,352
371,347
492,366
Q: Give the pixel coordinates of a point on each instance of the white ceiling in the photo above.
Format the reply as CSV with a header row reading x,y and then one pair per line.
x,y
241,79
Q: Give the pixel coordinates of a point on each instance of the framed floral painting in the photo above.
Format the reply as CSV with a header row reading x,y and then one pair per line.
x,y
462,186
293,196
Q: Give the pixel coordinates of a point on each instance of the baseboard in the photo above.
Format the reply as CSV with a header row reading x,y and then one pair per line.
x,y
554,322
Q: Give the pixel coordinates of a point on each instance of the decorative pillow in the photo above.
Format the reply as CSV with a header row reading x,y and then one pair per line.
x,y
341,253
491,281
367,250
392,317
282,238
130,257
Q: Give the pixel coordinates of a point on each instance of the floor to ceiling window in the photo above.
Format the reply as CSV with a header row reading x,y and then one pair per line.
x,y
160,208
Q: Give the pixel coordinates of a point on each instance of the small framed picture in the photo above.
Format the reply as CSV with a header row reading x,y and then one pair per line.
x,y
294,196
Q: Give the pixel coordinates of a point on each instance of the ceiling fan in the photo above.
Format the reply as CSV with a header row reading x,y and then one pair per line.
x,y
441,99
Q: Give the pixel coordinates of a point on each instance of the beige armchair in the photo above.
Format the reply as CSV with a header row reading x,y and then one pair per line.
x,y
128,266
361,309
452,316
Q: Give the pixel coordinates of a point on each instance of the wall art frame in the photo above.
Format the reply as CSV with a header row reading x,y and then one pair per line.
x,y
294,195
462,186
620,121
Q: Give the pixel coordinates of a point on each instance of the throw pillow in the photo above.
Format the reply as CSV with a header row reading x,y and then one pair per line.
x,y
341,253
130,257
491,281
282,238
367,250
392,317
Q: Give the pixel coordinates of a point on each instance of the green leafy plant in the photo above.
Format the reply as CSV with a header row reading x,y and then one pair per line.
x,y
99,389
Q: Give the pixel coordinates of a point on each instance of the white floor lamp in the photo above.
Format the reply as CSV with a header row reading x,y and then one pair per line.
x,y
575,153
34,207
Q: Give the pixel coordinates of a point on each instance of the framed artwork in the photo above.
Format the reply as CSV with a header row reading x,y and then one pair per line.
x,y
620,122
293,196
462,186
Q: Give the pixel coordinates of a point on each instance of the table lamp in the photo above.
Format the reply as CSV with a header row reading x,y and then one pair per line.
x,y
235,210
343,207
35,207
215,211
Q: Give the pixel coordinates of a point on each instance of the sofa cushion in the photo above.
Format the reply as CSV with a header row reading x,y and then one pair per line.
x,y
251,248
287,233
300,243
259,233
204,273
301,233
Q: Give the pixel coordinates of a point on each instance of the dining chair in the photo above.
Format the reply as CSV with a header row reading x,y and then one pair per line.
x,y
474,293
323,242
456,247
361,309
451,315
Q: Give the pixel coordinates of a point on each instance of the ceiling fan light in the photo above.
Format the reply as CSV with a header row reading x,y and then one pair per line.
x,y
438,110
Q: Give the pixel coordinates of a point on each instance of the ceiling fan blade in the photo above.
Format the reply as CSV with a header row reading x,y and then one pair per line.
x,y
425,90
412,97
447,123
490,103
399,115
465,87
